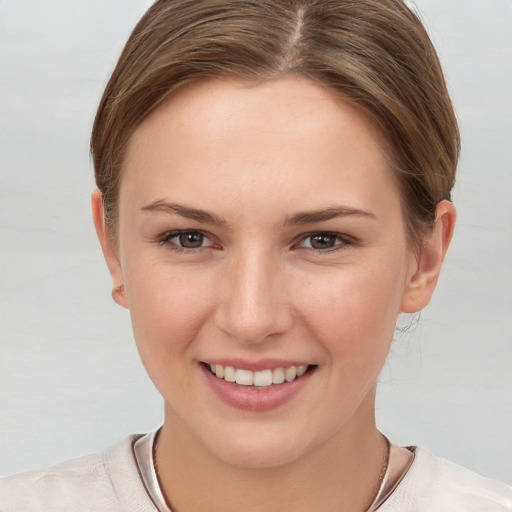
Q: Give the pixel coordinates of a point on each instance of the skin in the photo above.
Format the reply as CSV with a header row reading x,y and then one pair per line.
x,y
254,158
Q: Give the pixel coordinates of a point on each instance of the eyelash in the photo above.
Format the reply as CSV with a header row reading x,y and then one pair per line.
x,y
166,240
344,241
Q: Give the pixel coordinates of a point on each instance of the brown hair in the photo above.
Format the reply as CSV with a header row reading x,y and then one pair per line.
x,y
374,53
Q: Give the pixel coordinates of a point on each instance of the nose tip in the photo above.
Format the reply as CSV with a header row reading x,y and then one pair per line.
x,y
253,305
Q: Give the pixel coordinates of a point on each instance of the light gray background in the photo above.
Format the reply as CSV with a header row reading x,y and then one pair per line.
x,y
70,378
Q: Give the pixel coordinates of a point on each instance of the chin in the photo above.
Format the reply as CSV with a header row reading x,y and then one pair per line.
x,y
260,450
259,458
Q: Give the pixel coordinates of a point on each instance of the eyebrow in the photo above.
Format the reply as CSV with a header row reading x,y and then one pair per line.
x,y
185,211
306,217
326,214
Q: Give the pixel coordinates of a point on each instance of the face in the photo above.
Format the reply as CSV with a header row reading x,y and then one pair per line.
x,y
260,230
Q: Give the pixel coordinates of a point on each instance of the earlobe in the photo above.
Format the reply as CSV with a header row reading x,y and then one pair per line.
x,y
424,275
109,251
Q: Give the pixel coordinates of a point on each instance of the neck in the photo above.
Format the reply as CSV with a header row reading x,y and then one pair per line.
x,y
342,474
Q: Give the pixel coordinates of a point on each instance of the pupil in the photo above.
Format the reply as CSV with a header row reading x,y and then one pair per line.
x,y
191,240
322,241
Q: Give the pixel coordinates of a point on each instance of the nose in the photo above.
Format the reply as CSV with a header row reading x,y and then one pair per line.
x,y
253,305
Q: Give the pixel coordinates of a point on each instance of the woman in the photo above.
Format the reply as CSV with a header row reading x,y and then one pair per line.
x,y
273,190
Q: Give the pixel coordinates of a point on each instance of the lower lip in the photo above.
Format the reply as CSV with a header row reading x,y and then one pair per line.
x,y
249,398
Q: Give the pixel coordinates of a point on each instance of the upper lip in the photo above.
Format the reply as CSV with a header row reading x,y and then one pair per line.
x,y
259,365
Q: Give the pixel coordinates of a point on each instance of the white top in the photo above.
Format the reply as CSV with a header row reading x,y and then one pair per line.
x,y
111,481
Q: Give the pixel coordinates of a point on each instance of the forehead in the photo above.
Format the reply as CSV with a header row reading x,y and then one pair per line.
x,y
216,108
288,138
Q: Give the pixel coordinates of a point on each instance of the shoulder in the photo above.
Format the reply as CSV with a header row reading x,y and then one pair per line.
x,y
105,481
434,484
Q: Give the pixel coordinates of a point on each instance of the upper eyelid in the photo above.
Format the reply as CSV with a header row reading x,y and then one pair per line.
x,y
169,235
345,243
344,238
177,232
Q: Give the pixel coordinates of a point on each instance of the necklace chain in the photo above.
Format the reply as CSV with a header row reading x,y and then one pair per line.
x,y
378,488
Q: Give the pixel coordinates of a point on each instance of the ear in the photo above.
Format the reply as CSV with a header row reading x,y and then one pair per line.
x,y
426,268
109,251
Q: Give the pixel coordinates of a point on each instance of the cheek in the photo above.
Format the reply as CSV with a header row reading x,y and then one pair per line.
x,y
353,312
167,309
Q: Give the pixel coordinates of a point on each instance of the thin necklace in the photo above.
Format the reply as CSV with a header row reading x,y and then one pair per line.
x,y
380,482
378,488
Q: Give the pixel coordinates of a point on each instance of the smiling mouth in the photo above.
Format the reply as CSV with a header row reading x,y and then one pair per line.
x,y
262,379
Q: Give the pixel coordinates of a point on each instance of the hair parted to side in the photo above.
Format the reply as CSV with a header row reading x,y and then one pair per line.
x,y
373,53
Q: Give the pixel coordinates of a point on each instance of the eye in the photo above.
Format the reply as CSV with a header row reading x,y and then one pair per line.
x,y
188,239
324,241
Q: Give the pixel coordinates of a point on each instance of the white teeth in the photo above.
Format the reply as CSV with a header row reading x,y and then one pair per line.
x,y
290,373
278,376
229,374
301,370
243,377
263,378
260,379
